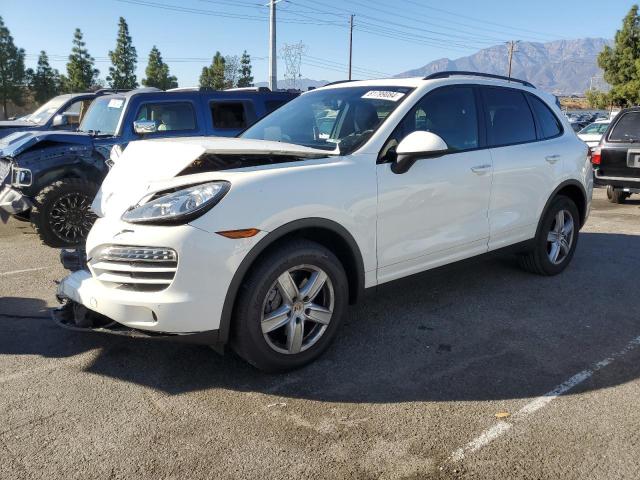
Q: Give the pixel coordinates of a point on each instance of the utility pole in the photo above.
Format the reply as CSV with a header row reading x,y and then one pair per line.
x,y
273,56
350,43
512,49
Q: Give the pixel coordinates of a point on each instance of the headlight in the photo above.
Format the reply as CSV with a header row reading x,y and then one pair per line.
x,y
21,177
180,206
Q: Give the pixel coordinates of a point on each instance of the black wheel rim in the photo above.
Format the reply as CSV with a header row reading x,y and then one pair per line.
x,y
71,218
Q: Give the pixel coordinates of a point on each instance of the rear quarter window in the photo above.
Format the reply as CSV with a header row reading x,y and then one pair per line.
x,y
549,124
627,128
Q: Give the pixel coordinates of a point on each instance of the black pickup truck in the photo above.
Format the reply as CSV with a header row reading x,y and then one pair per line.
x,y
616,160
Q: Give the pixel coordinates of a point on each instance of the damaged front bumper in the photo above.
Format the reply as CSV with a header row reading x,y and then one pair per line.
x,y
13,202
75,291
75,316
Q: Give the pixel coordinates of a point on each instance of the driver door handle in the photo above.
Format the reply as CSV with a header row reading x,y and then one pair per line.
x,y
480,169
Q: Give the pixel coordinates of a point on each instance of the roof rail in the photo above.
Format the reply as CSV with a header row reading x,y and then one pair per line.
x,y
452,73
105,91
248,89
339,81
183,89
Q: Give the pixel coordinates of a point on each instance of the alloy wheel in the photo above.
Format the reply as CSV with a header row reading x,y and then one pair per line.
x,y
297,309
71,218
560,237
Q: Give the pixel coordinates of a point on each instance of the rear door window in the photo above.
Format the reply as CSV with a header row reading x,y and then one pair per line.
x,y
508,118
627,129
229,115
168,116
549,124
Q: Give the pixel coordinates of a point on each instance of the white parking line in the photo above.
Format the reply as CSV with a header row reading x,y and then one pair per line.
x,y
502,427
14,272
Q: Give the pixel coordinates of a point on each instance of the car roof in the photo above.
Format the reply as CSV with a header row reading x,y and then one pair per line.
x,y
190,91
451,79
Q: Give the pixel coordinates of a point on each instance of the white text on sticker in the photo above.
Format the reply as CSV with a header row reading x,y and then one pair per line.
x,y
384,95
115,103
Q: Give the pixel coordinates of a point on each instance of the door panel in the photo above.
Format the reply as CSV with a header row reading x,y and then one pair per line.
x,y
526,168
437,212
438,207
523,179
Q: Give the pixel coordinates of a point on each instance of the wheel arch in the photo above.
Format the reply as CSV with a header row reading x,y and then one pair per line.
x,y
323,231
574,190
54,174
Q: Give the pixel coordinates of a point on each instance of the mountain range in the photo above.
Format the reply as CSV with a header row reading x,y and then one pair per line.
x,y
562,67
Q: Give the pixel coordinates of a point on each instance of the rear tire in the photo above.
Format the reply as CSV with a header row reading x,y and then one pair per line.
x,y
616,196
280,326
556,240
61,212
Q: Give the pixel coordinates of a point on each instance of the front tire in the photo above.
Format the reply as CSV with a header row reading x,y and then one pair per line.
x,y
556,240
290,306
61,212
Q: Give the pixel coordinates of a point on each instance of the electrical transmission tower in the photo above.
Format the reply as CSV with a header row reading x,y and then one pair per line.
x,y
292,54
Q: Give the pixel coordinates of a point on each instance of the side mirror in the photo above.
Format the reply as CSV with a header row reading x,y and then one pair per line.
x,y
143,127
415,146
60,121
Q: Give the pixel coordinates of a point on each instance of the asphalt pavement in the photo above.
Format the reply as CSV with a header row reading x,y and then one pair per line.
x,y
478,371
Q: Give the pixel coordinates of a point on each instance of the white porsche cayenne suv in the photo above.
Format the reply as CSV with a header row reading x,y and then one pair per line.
x,y
262,241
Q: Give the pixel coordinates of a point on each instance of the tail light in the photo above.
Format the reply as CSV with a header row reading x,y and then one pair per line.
x,y
595,156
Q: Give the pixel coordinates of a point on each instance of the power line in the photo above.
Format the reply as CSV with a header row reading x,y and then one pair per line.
x,y
444,38
476,19
422,21
214,13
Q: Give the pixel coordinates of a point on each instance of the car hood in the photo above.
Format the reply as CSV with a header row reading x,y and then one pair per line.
x,y
18,142
16,124
146,165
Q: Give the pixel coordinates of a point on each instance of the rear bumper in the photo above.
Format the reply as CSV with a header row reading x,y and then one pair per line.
x,y
14,202
633,182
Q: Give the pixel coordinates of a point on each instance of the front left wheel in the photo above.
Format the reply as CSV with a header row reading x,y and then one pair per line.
x,y
290,307
61,212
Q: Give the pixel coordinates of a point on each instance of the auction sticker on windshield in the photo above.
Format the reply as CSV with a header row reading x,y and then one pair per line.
x,y
384,95
115,103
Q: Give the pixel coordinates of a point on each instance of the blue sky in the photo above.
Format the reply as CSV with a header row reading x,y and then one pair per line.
x,y
390,36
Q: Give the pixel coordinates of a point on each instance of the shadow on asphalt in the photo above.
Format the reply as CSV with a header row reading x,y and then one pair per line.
x,y
481,330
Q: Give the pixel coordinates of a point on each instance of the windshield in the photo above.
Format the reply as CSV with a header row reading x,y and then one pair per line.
x,y
46,111
103,116
339,117
598,128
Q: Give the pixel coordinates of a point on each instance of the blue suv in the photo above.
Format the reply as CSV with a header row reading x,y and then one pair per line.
x,y
50,178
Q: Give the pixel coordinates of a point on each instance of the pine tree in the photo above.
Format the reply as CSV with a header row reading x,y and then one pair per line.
x,y
213,75
158,72
245,80
45,81
621,64
12,72
231,70
81,72
122,73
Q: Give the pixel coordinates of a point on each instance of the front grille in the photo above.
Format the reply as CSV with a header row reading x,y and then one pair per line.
x,y
148,269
